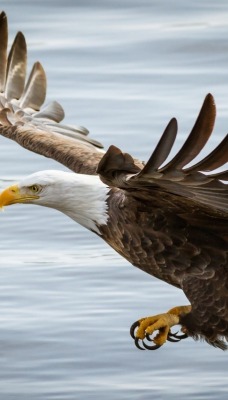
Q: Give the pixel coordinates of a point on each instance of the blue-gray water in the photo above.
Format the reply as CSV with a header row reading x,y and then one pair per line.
x,y
122,69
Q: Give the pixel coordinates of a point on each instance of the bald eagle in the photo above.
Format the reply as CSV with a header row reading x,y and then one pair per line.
x,y
166,218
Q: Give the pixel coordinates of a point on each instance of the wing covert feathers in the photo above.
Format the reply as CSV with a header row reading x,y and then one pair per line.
x,y
23,120
207,190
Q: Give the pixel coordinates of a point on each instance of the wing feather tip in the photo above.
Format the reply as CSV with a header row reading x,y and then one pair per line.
x,y
3,16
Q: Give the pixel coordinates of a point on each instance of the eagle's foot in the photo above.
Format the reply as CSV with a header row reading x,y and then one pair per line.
x,y
146,327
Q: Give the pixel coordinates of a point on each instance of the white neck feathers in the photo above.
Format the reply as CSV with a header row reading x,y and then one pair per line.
x,y
87,203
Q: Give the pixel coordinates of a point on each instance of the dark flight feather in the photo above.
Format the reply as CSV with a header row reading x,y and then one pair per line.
x,y
163,148
216,159
198,137
3,50
16,68
35,89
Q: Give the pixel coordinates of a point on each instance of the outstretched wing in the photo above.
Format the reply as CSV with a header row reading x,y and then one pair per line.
x,y
38,129
196,184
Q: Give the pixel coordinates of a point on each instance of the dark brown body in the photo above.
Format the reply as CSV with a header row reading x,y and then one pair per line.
x,y
182,245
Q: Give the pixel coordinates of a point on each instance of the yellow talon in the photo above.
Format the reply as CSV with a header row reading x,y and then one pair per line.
x,y
161,323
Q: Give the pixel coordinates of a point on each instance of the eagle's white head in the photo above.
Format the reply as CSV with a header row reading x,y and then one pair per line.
x,y
81,197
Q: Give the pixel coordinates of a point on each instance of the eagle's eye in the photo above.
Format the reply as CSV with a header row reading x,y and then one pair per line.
x,y
34,188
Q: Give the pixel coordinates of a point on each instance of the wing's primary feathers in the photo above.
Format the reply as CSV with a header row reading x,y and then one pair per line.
x,y
207,190
22,120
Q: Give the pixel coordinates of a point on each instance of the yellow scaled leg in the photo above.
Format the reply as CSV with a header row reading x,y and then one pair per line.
x,y
162,323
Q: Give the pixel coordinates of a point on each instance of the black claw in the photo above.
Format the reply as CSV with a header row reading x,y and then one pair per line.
x,y
137,344
170,339
184,336
173,334
132,329
154,347
179,337
149,338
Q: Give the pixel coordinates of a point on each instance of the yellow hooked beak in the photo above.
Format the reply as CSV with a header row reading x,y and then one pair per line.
x,y
13,195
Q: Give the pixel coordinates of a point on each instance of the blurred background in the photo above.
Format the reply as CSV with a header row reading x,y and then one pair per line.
x,y
67,300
